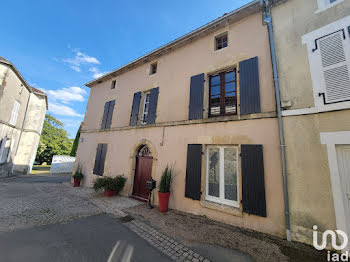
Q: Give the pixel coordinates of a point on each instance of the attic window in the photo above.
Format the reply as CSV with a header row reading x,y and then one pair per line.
x,y
221,41
153,69
113,84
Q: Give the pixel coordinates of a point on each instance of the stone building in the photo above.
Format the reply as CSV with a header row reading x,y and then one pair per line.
x,y
22,115
313,55
204,103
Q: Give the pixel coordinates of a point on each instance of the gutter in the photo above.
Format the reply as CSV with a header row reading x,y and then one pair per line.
x,y
267,20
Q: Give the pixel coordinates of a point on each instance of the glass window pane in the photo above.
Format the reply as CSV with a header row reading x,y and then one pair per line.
x,y
215,90
230,173
230,87
214,172
231,76
215,80
215,110
146,107
147,98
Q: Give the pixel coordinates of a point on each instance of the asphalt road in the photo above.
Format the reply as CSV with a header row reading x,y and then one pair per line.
x,y
87,239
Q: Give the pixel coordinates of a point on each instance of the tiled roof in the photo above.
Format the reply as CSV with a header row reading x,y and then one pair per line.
x,y
37,90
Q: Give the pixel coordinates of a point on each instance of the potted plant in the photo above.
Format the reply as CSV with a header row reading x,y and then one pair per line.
x,y
164,189
111,185
78,176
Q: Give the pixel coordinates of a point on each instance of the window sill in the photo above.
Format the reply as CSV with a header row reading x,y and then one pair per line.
x,y
222,208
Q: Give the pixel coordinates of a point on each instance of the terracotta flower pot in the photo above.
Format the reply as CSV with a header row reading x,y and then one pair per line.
x,y
163,201
76,182
110,193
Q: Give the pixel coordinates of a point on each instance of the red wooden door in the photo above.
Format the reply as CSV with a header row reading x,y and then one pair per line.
x,y
142,173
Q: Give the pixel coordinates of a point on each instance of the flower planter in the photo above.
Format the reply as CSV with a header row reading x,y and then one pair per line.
x,y
76,182
163,201
110,193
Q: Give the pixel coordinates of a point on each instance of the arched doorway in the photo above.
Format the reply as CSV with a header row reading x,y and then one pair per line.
x,y
143,171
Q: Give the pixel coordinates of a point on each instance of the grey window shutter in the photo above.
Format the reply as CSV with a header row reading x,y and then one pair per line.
x,y
196,97
105,114
249,86
253,181
102,159
97,160
152,110
110,113
193,172
135,109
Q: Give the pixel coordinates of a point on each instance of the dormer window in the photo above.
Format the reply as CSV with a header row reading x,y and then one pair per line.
x,y
153,69
221,41
114,84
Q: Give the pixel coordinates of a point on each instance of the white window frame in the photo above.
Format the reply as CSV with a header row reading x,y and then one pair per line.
x,y
315,63
144,112
221,199
14,114
331,140
325,4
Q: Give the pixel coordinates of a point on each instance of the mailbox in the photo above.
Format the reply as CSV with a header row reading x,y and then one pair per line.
x,y
151,184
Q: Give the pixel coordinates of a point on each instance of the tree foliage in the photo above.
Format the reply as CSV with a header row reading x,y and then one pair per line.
x,y
75,144
53,141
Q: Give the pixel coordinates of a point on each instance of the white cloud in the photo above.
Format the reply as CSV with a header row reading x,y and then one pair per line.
x,y
68,94
80,59
76,68
96,72
63,110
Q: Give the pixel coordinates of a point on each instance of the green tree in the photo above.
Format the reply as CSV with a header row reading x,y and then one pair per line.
x,y
53,141
75,143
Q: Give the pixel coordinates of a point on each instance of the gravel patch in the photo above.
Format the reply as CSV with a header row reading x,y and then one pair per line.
x,y
189,229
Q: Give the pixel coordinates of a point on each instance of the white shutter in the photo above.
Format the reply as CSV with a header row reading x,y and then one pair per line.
x,y
14,113
335,68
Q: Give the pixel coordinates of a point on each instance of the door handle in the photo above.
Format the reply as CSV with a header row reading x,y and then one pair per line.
x,y
348,194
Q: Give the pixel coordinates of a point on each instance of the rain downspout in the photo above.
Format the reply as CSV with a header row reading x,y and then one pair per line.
x,y
267,20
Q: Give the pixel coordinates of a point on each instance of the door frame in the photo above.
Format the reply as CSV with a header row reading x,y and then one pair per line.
x,y
132,163
331,140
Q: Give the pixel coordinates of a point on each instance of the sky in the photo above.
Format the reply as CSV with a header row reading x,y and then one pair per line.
x,y
59,46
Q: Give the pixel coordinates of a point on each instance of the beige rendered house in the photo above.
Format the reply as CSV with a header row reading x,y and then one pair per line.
x,y
204,103
22,115
313,51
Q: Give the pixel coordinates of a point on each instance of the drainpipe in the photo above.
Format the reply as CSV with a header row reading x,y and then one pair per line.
x,y
267,20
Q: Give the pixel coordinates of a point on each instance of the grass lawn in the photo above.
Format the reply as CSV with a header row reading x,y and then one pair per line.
x,y
40,169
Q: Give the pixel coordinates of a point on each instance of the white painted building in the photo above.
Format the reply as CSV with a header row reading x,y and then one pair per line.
x,y
22,114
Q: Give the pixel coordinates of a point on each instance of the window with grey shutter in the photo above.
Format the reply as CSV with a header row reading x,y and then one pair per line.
x,y
193,171
196,97
153,101
100,158
253,181
335,67
249,86
107,114
110,114
135,109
